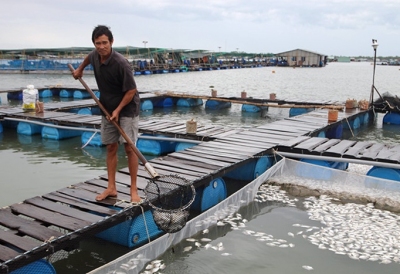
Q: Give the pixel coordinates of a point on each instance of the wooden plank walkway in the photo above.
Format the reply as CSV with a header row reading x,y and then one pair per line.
x,y
39,226
365,150
160,126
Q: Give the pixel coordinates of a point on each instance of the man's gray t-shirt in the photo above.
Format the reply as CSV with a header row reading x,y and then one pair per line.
x,y
114,77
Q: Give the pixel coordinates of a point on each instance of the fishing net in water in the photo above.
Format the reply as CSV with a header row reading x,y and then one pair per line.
x,y
170,197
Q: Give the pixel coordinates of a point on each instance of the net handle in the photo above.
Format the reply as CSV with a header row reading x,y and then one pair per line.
x,y
146,164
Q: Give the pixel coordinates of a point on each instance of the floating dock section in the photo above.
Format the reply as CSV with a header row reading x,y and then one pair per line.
x,y
41,226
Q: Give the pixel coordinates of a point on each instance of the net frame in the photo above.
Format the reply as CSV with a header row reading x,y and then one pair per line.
x,y
170,214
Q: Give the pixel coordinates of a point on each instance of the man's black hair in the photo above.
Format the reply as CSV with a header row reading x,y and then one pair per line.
x,y
102,30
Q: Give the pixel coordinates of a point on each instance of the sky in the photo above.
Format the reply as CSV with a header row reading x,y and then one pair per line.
x,y
334,28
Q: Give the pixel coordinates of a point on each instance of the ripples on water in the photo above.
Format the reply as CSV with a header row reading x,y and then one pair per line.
x,y
50,165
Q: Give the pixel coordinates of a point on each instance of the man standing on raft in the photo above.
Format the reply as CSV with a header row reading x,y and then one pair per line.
x,y
119,96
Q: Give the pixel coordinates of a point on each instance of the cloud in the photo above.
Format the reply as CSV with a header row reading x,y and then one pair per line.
x,y
333,27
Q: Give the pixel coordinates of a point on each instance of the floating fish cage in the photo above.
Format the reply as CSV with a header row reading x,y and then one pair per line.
x,y
133,232
210,195
39,266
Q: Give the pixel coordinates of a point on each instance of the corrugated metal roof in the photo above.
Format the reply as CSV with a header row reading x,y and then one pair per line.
x,y
313,52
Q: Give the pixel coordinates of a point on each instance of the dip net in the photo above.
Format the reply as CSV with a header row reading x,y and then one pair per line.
x,y
170,197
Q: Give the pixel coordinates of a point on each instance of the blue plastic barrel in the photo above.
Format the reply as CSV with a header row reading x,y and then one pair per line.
x,y
58,133
213,104
364,119
299,111
146,105
28,128
353,123
384,173
164,103
14,95
251,170
95,110
250,108
85,111
132,233
46,93
210,195
263,163
39,266
94,140
189,102
391,118
81,94
155,147
64,93
10,124
335,132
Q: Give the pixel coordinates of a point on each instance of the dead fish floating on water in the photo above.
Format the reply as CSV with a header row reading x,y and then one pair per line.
x,y
187,249
307,267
